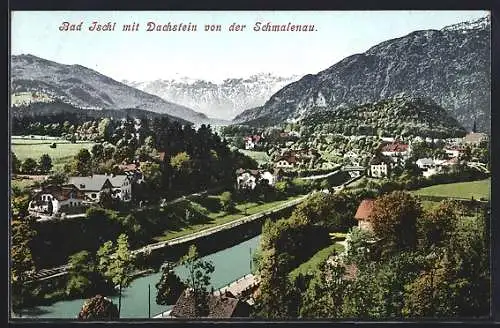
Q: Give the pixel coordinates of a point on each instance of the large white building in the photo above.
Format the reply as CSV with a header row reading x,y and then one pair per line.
x,y
93,186
379,167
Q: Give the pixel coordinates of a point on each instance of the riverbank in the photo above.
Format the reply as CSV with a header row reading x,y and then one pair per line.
x,y
230,264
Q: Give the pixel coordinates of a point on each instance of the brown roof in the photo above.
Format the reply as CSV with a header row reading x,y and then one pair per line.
x,y
364,210
219,307
395,147
128,167
62,193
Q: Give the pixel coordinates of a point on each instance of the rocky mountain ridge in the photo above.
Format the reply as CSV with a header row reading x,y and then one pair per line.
x,y
451,66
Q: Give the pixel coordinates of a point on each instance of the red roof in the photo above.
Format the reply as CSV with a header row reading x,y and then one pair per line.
x,y
128,167
62,193
364,210
395,147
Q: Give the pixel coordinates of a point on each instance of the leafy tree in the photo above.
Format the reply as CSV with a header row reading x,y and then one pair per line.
x,y
436,225
226,201
21,257
198,279
15,162
45,164
152,186
121,265
104,254
325,294
83,162
98,152
358,250
58,178
104,128
170,286
81,273
277,298
99,308
325,184
394,219
282,186
29,166
181,162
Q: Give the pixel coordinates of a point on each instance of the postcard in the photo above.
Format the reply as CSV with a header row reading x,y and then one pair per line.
x,y
264,165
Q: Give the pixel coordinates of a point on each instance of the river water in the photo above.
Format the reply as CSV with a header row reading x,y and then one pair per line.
x,y
230,264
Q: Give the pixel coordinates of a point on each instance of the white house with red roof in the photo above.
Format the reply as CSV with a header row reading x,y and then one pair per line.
x,y
252,141
363,214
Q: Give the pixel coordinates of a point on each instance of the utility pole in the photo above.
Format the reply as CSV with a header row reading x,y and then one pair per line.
x,y
149,301
250,259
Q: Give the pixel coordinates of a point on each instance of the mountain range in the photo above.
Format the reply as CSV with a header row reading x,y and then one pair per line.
x,y
451,66
85,89
220,100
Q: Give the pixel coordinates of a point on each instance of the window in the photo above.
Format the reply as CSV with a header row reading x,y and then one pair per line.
x,y
93,195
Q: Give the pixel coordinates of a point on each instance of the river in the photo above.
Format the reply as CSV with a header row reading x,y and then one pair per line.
x,y
230,264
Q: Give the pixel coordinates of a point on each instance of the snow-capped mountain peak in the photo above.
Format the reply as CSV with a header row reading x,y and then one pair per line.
x,y
224,99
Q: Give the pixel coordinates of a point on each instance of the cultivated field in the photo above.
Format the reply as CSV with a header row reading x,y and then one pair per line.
x,y
35,148
260,156
476,189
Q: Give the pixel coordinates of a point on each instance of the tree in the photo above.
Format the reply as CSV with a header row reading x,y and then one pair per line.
x,y
83,162
181,162
152,181
104,128
170,286
29,166
81,273
15,162
394,217
226,201
21,257
436,225
121,266
325,295
198,279
98,308
45,163
58,178
358,246
98,152
104,254
276,298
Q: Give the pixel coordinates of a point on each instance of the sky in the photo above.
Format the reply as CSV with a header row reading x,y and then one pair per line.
x,y
149,55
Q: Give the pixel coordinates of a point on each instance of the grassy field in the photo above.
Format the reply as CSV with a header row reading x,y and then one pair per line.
x,y
35,148
314,262
476,189
260,156
217,217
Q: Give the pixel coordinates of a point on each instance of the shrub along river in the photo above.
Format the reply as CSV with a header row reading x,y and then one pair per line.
x,y
230,264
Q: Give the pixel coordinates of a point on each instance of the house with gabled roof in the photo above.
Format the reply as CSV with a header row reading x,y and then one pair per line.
x,y
219,306
54,199
249,178
92,186
122,187
379,166
363,214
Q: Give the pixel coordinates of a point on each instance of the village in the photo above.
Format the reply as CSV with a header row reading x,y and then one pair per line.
x,y
72,199
287,165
